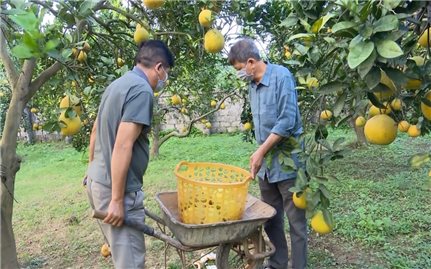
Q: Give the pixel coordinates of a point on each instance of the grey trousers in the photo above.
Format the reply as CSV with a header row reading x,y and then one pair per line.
x,y
127,244
278,196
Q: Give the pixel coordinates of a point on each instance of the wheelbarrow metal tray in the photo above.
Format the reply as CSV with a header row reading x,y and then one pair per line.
x,y
255,214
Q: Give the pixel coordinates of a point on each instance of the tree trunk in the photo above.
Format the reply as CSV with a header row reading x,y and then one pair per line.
x,y
28,125
154,153
9,165
3,108
359,131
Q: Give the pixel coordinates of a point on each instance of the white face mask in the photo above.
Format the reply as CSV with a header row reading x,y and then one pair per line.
x,y
242,74
162,83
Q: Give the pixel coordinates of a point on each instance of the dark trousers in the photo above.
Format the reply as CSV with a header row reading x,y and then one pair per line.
x,y
278,196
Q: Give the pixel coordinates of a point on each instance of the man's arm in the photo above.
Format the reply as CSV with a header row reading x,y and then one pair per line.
x,y
256,159
92,142
127,134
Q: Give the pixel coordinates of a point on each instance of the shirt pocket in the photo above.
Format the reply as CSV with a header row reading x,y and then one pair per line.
x,y
269,107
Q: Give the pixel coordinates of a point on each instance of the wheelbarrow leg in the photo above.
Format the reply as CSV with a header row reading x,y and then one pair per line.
x,y
222,256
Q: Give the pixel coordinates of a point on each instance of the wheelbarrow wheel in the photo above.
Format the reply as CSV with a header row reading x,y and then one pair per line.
x,y
242,256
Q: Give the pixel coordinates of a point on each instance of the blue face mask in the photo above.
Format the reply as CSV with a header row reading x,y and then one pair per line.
x,y
242,74
162,83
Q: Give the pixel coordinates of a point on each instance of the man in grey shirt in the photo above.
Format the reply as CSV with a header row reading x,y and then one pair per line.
x,y
274,105
119,151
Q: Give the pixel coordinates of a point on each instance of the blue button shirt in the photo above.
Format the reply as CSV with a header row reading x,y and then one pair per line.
x,y
274,105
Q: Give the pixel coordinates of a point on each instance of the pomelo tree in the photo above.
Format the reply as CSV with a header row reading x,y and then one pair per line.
x,y
64,53
363,62
192,80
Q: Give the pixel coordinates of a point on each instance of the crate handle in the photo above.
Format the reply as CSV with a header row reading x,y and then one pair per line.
x,y
180,164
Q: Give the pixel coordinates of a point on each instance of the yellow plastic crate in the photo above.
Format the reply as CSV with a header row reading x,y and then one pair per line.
x,y
211,192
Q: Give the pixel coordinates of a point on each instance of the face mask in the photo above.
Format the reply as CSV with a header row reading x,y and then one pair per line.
x,y
161,83
242,74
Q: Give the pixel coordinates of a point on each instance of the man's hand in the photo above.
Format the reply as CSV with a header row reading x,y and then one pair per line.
x,y
256,162
115,215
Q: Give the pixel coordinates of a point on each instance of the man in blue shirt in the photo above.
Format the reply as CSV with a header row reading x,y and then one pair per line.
x,y
276,116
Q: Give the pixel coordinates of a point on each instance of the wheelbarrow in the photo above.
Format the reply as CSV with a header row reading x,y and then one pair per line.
x,y
243,238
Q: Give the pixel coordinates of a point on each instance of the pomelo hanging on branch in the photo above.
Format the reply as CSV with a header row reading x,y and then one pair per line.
x,y
213,41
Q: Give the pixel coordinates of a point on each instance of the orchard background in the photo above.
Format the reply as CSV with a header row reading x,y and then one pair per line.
x,y
359,65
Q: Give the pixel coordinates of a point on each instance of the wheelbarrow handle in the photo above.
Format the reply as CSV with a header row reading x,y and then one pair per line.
x,y
128,222
148,230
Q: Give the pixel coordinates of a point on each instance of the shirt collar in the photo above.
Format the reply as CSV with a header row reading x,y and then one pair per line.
x,y
266,77
140,73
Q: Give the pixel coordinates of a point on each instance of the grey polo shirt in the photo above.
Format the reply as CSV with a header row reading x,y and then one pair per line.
x,y
127,99
274,105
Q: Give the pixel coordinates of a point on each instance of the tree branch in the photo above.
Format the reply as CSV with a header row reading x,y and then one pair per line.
x,y
42,78
173,33
27,71
189,128
11,71
120,11
55,13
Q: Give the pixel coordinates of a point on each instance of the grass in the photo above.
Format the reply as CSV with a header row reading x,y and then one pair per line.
x,y
381,206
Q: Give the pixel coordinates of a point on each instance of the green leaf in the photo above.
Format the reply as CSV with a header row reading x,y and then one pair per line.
x,y
295,189
339,104
329,40
320,133
389,49
343,120
70,113
373,78
305,24
287,162
337,144
359,53
22,51
397,76
366,66
386,23
326,146
365,11
86,7
366,31
51,44
328,217
391,4
311,166
290,21
27,20
301,179
300,36
325,191
317,25
316,198
343,26
301,48
30,42
331,87
56,55
18,3
355,41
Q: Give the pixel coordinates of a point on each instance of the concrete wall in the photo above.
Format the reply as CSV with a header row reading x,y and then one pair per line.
x,y
222,121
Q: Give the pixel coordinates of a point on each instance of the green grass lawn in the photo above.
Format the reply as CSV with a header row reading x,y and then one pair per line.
x,y
380,205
